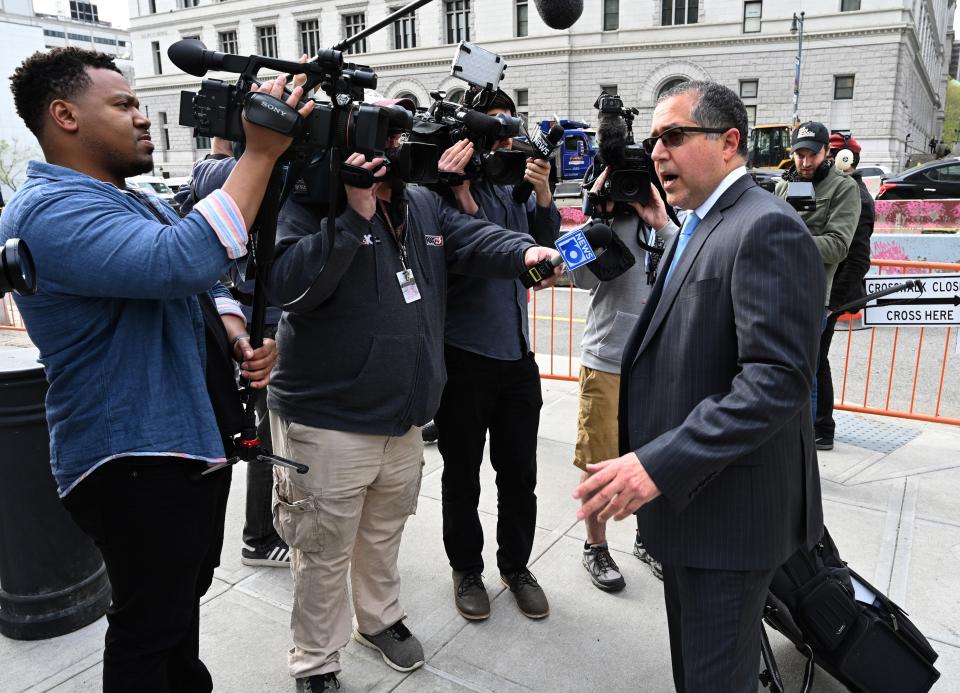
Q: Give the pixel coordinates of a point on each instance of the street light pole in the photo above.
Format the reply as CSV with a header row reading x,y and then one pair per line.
x,y
797,25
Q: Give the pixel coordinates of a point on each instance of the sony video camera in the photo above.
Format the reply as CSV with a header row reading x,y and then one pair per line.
x,y
446,123
630,167
215,111
17,272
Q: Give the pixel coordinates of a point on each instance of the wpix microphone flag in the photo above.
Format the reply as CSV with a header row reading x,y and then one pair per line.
x,y
575,249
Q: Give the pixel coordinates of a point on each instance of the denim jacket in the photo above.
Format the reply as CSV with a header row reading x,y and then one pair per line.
x,y
115,317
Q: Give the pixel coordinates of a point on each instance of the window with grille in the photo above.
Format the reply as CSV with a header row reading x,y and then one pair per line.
x,y
752,13
267,41
83,11
164,131
309,31
184,4
523,25
227,40
202,142
670,84
457,14
405,31
523,105
353,24
679,12
843,87
611,15
157,63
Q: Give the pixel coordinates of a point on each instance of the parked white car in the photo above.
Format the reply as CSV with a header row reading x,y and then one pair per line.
x,y
152,185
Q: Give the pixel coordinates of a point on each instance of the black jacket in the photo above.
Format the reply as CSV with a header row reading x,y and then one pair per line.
x,y
848,281
353,354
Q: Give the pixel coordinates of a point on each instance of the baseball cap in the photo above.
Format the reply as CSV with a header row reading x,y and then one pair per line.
x,y
837,141
811,135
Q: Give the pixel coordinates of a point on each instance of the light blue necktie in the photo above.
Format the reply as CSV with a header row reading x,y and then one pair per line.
x,y
689,226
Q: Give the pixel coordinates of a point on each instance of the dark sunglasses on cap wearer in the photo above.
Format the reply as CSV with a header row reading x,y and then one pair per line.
x,y
675,137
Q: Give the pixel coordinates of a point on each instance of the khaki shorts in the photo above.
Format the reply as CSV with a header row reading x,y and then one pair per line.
x,y
597,429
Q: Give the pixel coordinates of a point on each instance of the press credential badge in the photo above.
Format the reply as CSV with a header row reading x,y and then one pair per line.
x,y
408,285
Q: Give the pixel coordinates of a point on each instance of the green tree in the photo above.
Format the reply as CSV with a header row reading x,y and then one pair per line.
x,y
951,114
13,162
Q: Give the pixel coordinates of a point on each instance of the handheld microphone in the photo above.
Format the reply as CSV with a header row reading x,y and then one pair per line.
x,y
543,147
559,14
598,236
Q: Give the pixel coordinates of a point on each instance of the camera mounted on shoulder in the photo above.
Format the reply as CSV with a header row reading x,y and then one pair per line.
x,y
631,170
446,122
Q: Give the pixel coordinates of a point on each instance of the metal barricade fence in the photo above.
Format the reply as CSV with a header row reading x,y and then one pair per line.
x,y
9,315
907,372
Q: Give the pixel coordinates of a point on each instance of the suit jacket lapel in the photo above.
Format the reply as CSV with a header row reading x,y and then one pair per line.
x,y
667,295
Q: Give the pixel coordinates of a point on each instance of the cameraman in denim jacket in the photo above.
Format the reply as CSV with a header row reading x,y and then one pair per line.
x,y
119,319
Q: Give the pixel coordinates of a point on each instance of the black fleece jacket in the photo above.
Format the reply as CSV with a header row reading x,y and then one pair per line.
x,y
353,354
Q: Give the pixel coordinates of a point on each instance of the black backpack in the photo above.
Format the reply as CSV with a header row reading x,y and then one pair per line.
x,y
820,605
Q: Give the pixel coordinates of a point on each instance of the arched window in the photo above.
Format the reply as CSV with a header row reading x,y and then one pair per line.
x,y
455,95
408,95
670,84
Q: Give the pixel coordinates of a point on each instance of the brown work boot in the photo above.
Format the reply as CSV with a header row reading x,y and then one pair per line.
x,y
529,595
470,595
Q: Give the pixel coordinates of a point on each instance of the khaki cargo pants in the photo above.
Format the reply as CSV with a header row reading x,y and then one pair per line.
x,y
346,514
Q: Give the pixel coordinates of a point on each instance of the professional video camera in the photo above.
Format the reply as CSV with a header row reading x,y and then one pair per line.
x,y
631,170
446,122
215,111
17,272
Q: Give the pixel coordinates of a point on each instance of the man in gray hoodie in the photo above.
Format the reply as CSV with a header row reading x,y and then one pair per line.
x,y
615,305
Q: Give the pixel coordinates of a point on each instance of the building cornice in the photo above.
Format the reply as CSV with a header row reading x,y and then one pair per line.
x,y
572,52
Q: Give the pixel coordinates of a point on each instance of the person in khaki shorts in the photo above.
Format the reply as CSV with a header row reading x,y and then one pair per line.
x,y
359,371
614,307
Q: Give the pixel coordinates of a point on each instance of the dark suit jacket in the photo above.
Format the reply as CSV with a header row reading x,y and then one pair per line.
x,y
715,390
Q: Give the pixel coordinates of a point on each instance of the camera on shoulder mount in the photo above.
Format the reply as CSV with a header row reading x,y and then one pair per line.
x,y
445,123
630,167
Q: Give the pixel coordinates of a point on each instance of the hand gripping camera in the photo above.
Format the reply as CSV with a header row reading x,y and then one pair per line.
x,y
446,122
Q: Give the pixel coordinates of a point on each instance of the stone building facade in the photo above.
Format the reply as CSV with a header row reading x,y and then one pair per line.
x,y
878,69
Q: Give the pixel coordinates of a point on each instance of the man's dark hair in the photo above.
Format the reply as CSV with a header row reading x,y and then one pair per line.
x,y
718,107
46,76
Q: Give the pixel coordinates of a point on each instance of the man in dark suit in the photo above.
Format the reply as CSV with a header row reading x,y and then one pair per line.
x,y
715,418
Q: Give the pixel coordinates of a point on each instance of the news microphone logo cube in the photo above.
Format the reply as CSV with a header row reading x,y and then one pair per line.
x,y
575,249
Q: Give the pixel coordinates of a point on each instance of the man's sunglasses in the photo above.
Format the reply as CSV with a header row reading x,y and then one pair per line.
x,y
675,137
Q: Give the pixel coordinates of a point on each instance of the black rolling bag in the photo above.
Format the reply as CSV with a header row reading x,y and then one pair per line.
x,y
840,621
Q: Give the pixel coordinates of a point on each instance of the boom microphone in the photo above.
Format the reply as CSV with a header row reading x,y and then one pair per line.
x,y
559,14
543,147
597,235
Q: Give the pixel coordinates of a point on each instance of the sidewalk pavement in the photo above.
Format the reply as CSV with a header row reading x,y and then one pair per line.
x,y
889,488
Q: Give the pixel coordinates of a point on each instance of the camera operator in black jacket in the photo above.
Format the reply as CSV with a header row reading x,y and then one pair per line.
x,y
493,385
360,370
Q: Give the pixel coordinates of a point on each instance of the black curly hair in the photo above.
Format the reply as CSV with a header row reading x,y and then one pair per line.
x,y
46,76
